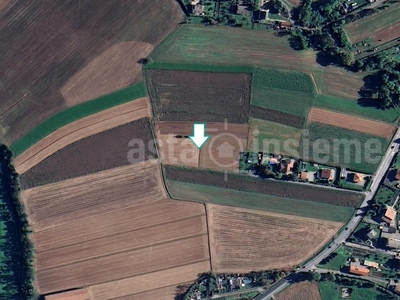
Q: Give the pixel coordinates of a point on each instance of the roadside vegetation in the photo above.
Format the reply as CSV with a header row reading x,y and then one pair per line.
x,y
16,250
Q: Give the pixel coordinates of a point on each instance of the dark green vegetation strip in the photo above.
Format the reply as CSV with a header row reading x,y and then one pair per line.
x,y
230,197
16,250
276,116
267,187
347,148
75,113
199,67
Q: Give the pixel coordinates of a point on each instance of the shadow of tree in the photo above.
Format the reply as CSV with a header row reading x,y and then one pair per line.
x,y
366,92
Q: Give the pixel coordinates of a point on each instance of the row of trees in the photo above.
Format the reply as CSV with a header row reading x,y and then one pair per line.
x,y
16,267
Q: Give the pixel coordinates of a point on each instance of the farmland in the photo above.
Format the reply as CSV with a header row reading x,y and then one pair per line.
x,y
83,128
284,91
358,151
262,132
75,113
96,153
262,240
268,187
276,116
330,291
300,291
203,97
64,40
380,27
123,242
351,122
56,203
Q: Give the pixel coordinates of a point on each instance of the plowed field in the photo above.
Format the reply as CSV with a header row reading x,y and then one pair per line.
x,y
73,47
199,96
103,151
81,197
80,129
244,240
81,294
351,122
146,284
300,291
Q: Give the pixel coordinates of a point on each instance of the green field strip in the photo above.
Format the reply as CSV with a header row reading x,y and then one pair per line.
x,y
229,197
77,112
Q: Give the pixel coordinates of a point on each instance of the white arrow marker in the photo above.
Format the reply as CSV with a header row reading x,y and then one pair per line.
x,y
198,138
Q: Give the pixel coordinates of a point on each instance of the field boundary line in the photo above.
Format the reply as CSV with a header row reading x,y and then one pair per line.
x,y
130,250
124,232
208,236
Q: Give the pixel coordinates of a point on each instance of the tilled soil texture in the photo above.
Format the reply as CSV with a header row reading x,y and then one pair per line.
x,y
244,240
276,116
300,291
49,43
106,150
199,96
269,187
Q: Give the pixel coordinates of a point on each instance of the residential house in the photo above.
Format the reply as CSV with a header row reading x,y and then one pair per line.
x,y
356,177
371,264
392,239
286,166
358,270
326,174
389,215
303,175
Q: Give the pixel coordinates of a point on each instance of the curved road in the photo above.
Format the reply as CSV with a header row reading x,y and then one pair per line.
x,y
353,223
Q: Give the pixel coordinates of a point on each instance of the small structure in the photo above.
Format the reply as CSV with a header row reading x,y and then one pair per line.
x,y
286,166
389,215
358,270
326,174
392,239
345,293
303,175
356,177
260,15
372,234
371,264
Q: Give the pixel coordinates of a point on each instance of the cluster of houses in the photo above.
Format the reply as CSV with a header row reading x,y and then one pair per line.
x,y
362,268
280,167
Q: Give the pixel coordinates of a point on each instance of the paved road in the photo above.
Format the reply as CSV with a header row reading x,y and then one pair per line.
x,y
351,226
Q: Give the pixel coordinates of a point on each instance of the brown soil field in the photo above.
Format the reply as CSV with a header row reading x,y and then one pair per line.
x,y
351,122
81,294
269,187
177,151
64,41
106,150
81,129
212,128
166,293
61,202
199,96
114,69
221,152
131,240
276,116
123,265
244,240
136,217
150,284
300,291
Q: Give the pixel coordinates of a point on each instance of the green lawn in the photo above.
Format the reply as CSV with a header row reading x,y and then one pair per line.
x,y
351,107
331,291
228,197
338,261
272,137
75,113
288,92
345,148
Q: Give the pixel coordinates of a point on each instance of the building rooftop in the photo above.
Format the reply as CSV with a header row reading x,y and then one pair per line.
x,y
389,214
358,270
356,177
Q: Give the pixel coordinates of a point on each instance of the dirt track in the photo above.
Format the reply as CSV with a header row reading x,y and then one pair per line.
x,y
81,129
244,240
351,122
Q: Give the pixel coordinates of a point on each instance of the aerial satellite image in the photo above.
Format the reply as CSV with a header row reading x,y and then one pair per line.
x,y
199,149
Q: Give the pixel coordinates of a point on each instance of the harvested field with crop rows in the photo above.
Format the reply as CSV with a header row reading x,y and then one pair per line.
x,y
300,291
80,129
103,151
261,240
199,96
70,48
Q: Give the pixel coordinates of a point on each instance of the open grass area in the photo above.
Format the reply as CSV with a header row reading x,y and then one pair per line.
x,y
378,26
351,107
76,112
331,291
288,92
228,197
337,261
341,147
272,137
